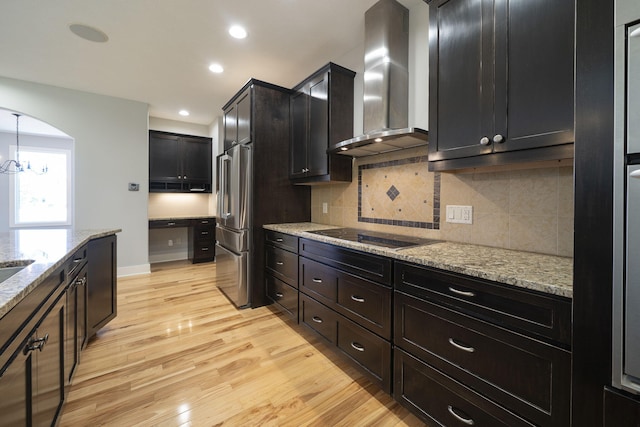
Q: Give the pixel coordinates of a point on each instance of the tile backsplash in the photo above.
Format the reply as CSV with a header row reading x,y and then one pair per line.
x,y
528,209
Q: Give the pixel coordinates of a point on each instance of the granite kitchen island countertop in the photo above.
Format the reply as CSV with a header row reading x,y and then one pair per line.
x,y
546,273
42,251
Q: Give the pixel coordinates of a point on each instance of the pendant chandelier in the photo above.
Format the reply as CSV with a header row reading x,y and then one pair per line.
x,y
16,166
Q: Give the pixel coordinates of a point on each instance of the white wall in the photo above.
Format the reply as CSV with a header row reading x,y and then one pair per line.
x,y
110,151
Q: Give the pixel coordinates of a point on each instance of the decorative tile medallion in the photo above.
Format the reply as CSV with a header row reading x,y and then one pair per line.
x,y
399,192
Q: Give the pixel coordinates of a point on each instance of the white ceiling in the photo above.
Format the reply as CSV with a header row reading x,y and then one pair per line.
x,y
159,51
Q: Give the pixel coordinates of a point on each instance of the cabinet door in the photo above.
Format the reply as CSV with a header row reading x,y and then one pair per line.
x,y
16,390
243,106
461,85
534,73
230,127
101,283
299,133
317,161
196,160
49,383
164,158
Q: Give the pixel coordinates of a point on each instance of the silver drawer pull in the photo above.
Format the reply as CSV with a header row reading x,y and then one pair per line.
x,y
461,347
317,280
463,293
171,223
204,233
279,263
357,346
316,319
279,295
467,421
357,299
279,240
205,249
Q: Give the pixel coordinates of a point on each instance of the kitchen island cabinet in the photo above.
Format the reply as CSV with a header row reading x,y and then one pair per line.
x,y
102,304
42,321
515,103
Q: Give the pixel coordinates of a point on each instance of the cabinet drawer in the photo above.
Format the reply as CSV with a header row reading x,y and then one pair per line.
x,y
525,375
368,266
366,303
283,295
369,350
205,233
438,398
205,222
321,319
168,223
282,264
281,240
544,316
318,279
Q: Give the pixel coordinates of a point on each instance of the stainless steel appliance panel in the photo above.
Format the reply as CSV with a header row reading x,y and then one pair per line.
x,y
632,274
234,240
234,178
633,89
232,275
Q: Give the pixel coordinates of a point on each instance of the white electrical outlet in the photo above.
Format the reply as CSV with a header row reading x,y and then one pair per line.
x,y
459,214
325,207
170,242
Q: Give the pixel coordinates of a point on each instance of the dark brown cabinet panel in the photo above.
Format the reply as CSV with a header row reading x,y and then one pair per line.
x,y
544,316
283,295
436,397
237,121
202,240
282,264
179,163
321,116
321,319
281,240
513,98
102,304
528,377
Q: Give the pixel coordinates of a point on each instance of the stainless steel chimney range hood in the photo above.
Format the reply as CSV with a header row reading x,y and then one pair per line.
x,y
386,85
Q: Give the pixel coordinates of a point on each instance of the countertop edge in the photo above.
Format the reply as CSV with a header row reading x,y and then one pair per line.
x,y
17,287
561,285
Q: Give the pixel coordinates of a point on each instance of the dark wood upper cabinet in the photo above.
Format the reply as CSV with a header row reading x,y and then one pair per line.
x,y
501,82
237,121
321,115
179,163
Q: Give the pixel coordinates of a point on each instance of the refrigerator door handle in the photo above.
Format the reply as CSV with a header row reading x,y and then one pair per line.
x,y
224,193
635,174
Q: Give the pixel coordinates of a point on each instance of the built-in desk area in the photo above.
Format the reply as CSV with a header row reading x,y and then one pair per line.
x,y
201,235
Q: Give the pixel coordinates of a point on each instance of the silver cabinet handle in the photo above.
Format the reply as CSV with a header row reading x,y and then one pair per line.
x,y
461,347
279,240
498,138
357,346
279,263
462,293
467,421
205,249
317,280
635,174
179,176
484,141
316,319
357,299
204,221
279,295
204,233
171,223
184,177
37,343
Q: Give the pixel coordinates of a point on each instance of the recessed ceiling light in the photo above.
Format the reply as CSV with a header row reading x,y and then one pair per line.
x,y
88,33
216,68
237,32
183,113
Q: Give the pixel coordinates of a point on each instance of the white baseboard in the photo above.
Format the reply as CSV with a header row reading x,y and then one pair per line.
x,y
134,270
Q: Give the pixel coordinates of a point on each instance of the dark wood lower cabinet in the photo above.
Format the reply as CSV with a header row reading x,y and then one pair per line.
x,y
101,277
620,408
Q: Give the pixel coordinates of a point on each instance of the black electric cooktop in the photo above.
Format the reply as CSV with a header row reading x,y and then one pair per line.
x,y
386,240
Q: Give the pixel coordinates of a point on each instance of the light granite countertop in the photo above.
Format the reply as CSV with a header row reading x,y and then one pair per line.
x,y
545,273
47,248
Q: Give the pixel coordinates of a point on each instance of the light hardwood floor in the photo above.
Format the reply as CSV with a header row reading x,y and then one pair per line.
x,y
179,354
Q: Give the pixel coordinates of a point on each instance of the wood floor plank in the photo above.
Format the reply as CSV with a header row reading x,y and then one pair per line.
x,y
179,354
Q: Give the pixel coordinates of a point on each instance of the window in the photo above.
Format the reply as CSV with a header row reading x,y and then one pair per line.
x,y
38,200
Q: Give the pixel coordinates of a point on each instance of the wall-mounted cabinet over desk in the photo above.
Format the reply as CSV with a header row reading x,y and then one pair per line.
x,y
179,163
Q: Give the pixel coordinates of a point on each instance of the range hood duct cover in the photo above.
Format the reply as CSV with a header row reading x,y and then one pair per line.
x,y
386,85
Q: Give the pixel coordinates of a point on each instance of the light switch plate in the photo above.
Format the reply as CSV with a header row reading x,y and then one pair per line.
x,y
325,207
459,214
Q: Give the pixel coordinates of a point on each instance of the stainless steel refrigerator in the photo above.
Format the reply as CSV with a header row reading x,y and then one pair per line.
x,y
626,286
233,233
